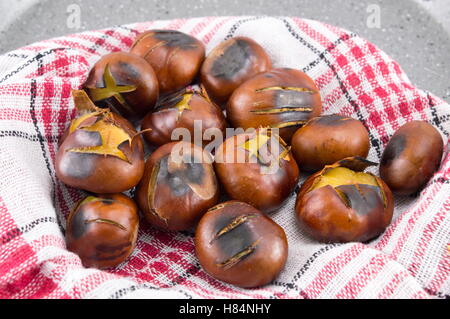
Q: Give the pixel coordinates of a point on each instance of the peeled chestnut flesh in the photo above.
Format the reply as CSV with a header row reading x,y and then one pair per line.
x,y
239,245
412,157
280,98
342,203
230,64
257,168
102,230
182,110
175,56
124,82
101,152
328,139
178,187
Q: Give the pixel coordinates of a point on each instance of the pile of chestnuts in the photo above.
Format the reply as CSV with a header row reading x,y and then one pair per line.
x,y
225,193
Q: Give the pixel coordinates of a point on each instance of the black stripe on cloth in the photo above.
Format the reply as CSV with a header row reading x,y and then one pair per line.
x,y
234,27
14,233
436,118
15,55
124,291
437,294
27,136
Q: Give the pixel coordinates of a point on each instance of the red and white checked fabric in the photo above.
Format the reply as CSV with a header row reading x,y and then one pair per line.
x,y
410,260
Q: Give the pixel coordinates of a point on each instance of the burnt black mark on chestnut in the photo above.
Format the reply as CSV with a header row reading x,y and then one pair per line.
x,y
195,172
235,241
101,248
363,199
173,180
78,165
394,149
127,73
234,59
77,225
332,120
295,100
175,39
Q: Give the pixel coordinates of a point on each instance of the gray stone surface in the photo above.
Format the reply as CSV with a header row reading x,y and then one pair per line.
x,y
414,32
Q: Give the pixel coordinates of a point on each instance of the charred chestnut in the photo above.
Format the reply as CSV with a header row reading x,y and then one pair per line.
x,y
239,245
176,57
178,187
181,110
101,152
103,230
411,157
230,64
257,168
327,139
124,82
281,98
341,203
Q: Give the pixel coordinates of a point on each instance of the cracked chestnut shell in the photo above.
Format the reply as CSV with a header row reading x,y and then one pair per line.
x,y
181,110
100,152
239,245
257,168
124,82
342,203
280,98
176,57
178,187
411,157
102,230
230,64
327,139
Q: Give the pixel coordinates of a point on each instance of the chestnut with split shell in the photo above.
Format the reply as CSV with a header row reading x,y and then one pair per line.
x,y
280,98
411,157
342,203
102,230
230,64
125,83
100,152
239,245
178,187
257,168
175,56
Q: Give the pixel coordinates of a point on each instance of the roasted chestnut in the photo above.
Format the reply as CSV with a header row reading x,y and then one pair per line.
x,y
239,245
412,157
181,110
178,187
341,203
280,98
257,168
102,230
124,82
100,152
230,64
176,57
327,139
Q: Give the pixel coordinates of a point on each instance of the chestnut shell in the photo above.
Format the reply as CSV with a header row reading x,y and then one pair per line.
x,y
412,157
239,245
103,230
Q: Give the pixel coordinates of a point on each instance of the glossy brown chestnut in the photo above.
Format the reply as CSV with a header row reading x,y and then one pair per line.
x,y
327,139
124,82
178,187
176,57
103,230
280,98
341,203
239,245
181,110
230,64
100,152
257,168
411,157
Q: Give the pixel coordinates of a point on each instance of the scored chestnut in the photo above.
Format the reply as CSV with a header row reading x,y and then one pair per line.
x,y
124,82
411,157
102,230
342,203
175,56
239,245
230,64
280,98
100,152
327,139
257,168
181,110
178,187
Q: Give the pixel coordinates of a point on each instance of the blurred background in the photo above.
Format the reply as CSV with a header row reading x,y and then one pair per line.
x,y
416,33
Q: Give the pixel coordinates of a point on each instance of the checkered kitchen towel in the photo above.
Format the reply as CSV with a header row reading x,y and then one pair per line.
x,y
410,260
